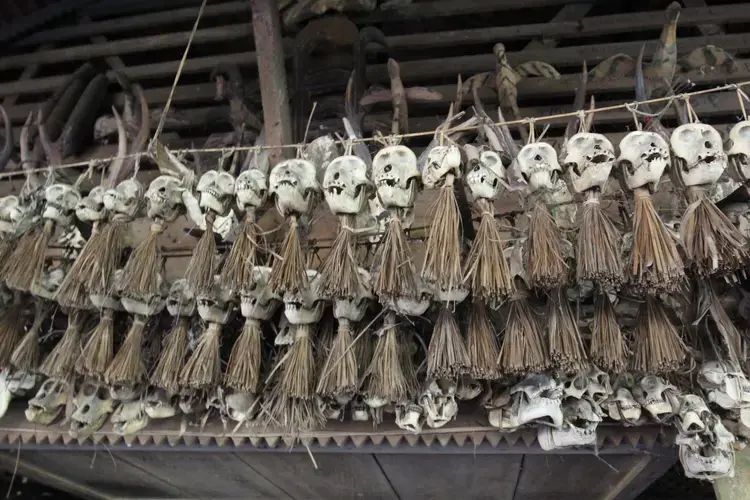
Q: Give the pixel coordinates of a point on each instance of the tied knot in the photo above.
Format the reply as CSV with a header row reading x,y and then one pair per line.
x,y
592,200
213,329
303,332
518,295
107,315
157,227
641,193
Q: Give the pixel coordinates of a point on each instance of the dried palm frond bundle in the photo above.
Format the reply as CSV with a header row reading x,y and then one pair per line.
x,y
523,348
565,345
409,367
395,274
599,242
61,361
237,272
446,354
545,259
384,379
339,276
128,366
442,257
25,265
243,370
364,347
656,265
144,266
25,357
203,369
658,347
72,291
339,375
202,267
608,350
288,274
11,330
290,414
481,343
172,359
98,351
712,243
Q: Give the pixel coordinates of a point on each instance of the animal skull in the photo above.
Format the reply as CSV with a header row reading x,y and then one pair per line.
x,y
439,402
699,155
126,199
216,306
538,398
93,405
441,162
160,404
725,384
241,406
305,306
709,455
538,165
143,305
181,301
110,300
91,207
216,188
294,186
11,211
599,387
657,397
164,198
693,415
643,158
49,402
581,418
396,176
346,185
623,407
285,333
486,176
251,189
354,308
413,306
359,409
60,202
129,418
259,302
588,158
738,150
409,417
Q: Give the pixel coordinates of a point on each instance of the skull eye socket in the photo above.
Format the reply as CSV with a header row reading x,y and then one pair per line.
x,y
102,393
388,168
476,168
627,167
89,389
708,145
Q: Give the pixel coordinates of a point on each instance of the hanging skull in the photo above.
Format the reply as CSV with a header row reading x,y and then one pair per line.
x,y
60,202
330,408
181,301
709,455
441,162
354,308
110,299
294,186
537,163
643,158
396,176
698,153
623,407
164,198
259,301
150,305
305,306
49,402
216,306
241,406
538,398
129,418
216,189
738,150
359,409
91,207
725,384
486,176
588,158
346,185
413,306
657,397
160,404
692,415
409,417
581,418
439,402
92,408
126,199
251,189
11,211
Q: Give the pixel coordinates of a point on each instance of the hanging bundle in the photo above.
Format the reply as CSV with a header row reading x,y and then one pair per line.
x,y
241,259
172,359
128,365
565,345
481,343
97,353
339,375
608,349
598,255
11,330
658,347
545,258
203,369
60,363
24,266
446,354
202,267
243,370
395,274
339,276
145,265
25,357
523,348
384,380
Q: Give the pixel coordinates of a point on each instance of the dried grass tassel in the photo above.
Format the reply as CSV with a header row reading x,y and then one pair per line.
x,y
105,260
481,343
712,243
203,369
339,375
339,275
486,269
11,331
25,265
442,256
608,349
172,359
658,347
298,378
545,260
202,267
656,264
99,349
288,274
61,361
523,348
565,345
72,291
599,243
243,370
384,379
395,275
25,357
409,368
446,355
141,273
128,365
364,347
237,273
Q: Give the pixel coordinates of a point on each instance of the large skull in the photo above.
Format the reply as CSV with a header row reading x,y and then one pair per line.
x,y
93,405
725,384
396,176
160,404
49,402
738,150
538,398
709,455
581,418
354,308
60,202
294,187
129,418
413,306
441,162
439,403
164,198
643,158
589,159
486,176
216,306
693,415
657,397
181,301
91,207
259,301
346,185
538,165
216,188
251,189
306,306
11,212
698,153
623,407
409,417
126,199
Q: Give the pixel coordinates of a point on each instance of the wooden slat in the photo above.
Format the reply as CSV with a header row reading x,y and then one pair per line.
x,y
707,28
572,12
28,73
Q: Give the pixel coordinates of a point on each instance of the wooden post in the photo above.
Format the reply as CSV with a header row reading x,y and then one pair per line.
x,y
737,487
273,90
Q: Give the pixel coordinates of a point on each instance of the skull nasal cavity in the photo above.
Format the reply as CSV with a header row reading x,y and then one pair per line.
x,y
538,158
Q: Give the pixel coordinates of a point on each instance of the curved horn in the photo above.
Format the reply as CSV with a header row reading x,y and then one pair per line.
x,y
50,149
8,148
116,170
32,182
139,144
578,104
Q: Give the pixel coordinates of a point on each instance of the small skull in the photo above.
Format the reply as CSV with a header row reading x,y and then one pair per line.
x,y
241,406
129,418
217,306
359,409
588,158
259,301
698,153
439,403
143,305
623,407
537,163
657,397
181,301
396,176
125,200
60,202
92,408
160,404
354,308
91,207
409,417
48,403
294,186
306,306
538,398
11,211
346,185
441,162
216,188
164,198
738,150
486,176
725,384
581,418
251,189
643,158
413,306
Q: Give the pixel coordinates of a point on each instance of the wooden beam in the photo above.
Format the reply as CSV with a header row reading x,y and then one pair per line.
x,y
708,28
272,74
28,73
572,12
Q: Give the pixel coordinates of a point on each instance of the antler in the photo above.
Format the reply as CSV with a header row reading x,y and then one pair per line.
x,y
8,148
116,167
32,181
